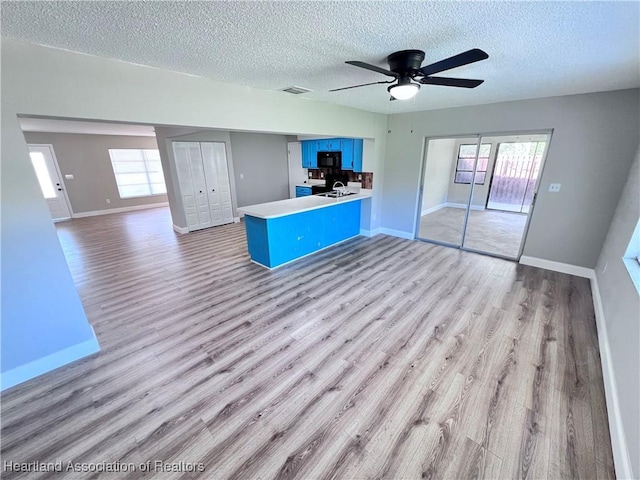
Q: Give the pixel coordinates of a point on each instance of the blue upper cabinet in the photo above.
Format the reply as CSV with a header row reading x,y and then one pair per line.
x,y
352,154
357,154
347,154
330,145
309,154
351,149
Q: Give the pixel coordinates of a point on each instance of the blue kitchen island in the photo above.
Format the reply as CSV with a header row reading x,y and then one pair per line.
x,y
283,231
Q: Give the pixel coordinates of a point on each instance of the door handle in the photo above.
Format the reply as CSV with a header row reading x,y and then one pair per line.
x,y
213,189
200,191
59,189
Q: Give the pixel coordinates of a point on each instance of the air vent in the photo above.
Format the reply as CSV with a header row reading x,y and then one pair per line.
x,y
296,90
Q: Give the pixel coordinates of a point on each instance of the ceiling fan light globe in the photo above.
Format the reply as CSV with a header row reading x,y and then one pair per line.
x,y
405,91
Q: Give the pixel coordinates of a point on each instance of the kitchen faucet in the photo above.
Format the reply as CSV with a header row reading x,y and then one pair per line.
x,y
340,192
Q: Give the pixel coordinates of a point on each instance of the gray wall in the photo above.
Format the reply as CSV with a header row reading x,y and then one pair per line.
x,y
621,306
262,160
87,158
595,137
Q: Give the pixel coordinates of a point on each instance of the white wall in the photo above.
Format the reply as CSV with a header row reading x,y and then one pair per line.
x,y
621,308
42,81
595,137
437,173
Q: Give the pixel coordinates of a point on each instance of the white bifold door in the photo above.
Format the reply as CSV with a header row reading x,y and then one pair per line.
x,y
203,178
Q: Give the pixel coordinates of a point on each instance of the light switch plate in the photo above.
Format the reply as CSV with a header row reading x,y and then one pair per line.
x,y
554,187
68,176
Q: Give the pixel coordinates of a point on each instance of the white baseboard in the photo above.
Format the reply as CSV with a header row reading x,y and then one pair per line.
x,y
621,457
557,266
236,219
463,205
396,233
433,209
180,229
119,210
45,364
370,233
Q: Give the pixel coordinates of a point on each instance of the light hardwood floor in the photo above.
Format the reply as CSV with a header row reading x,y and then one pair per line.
x,y
490,231
378,358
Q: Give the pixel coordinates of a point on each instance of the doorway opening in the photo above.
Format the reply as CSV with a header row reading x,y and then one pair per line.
x,y
478,191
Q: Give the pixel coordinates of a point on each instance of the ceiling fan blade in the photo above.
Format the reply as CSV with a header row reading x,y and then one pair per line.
x,y
451,82
373,68
465,58
356,86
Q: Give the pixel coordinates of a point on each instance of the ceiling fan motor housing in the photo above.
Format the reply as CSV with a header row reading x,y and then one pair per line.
x,y
406,62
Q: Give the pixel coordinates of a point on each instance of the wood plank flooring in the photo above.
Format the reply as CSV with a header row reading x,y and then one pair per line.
x,y
491,231
377,358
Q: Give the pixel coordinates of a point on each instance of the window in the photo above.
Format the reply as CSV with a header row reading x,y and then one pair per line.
x,y
466,158
138,172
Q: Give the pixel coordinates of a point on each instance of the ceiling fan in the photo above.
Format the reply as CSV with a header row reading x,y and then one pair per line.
x,y
405,67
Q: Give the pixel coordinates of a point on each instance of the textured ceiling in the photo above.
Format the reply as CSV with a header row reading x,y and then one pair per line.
x,y
536,49
30,124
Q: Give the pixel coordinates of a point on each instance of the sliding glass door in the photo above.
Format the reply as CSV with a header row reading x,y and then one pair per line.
x,y
478,191
448,171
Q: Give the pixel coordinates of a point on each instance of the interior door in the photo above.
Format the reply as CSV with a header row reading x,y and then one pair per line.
x,y
224,184
212,181
50,181
199,184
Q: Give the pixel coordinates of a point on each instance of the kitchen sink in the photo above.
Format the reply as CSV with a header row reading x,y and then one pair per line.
x,y
335,194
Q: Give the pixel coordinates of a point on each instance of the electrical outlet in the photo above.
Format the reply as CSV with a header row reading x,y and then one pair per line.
x,y
68,176
554,187
242,176
108,200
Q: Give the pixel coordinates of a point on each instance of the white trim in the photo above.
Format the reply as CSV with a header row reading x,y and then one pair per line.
x,y
236,219
65,195
619,446
119,210
463,205
433,209
370,233
396,233
621,459
48,363
557,266
180,229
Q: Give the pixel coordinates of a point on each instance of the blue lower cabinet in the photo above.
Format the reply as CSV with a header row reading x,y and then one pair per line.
x,y
303,191
276,241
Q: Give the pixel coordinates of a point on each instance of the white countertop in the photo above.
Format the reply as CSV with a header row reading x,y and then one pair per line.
x,y
282,208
